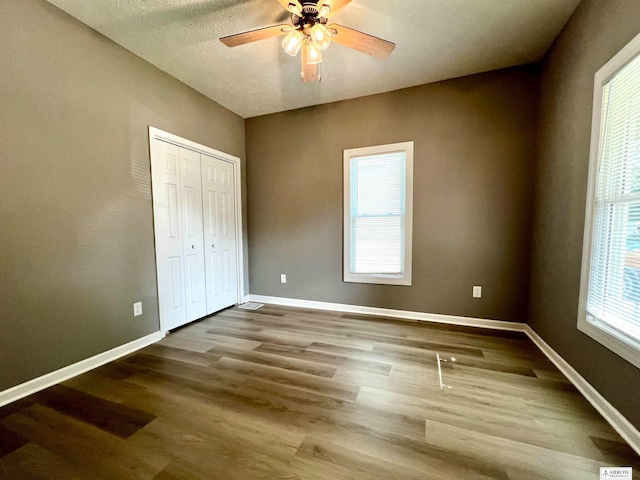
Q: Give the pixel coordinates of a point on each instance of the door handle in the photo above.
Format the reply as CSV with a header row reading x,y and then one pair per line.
x,y
193,246
213,245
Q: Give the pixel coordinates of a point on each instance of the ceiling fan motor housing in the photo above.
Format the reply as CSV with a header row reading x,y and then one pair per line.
x,y
308,17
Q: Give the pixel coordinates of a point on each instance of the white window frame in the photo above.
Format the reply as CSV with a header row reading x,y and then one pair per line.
x,y
385,279
623,345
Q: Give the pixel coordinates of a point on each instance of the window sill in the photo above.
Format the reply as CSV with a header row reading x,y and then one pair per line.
x,y
620,344
377,279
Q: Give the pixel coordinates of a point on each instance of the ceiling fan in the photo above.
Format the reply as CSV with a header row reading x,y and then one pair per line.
x,y
310,33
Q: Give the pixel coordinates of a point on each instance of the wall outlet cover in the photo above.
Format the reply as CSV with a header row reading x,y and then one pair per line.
x,y
137,309
283,278
477,291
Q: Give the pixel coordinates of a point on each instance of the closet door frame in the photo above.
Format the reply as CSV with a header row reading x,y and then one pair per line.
x,y
155,134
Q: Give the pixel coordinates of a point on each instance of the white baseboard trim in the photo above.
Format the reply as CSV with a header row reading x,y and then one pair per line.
x,y
58,376
619,423
609,413
386,312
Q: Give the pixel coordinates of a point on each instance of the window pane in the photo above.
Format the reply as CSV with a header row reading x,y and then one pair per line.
x,y
377,245
378,199
614,284
378,183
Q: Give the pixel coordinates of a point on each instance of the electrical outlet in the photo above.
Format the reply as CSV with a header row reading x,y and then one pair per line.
x,y
137,309
477,291
283,278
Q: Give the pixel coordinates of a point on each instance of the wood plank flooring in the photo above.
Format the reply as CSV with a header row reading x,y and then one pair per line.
x,y
284,393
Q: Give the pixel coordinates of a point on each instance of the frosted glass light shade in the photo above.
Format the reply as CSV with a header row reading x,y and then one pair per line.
x,y
323,9
313,53
292,42
320,36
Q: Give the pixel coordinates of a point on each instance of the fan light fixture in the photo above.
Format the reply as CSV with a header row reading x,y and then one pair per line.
x,y
314,39
324,10
321,36
310,33
292,42
313,53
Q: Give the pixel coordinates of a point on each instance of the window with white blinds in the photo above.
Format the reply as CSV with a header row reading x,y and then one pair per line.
x,y
378,198
610,290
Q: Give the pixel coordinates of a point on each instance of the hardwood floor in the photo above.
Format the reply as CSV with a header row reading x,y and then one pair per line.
x,y
289,393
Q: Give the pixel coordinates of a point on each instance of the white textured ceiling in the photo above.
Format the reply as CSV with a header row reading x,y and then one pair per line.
x,y
436,40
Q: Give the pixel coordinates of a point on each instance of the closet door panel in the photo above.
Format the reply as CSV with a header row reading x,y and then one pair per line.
x,y
167,212
195,283
218,184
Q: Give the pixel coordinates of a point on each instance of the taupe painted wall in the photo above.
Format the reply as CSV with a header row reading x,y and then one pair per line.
x,y
596,32
474,156
76,233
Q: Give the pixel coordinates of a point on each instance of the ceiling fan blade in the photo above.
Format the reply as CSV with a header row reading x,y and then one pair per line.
x,y
310,72
334,5
293,6
361,41
254,35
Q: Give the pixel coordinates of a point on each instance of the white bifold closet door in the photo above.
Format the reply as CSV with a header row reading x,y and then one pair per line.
x,y
218,190
194,273
195,233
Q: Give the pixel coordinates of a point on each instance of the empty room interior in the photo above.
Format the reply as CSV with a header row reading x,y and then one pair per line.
x,y
320,239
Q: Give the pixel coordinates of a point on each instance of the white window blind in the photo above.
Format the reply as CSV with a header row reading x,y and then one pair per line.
x,y
378,207
378,199
613,295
